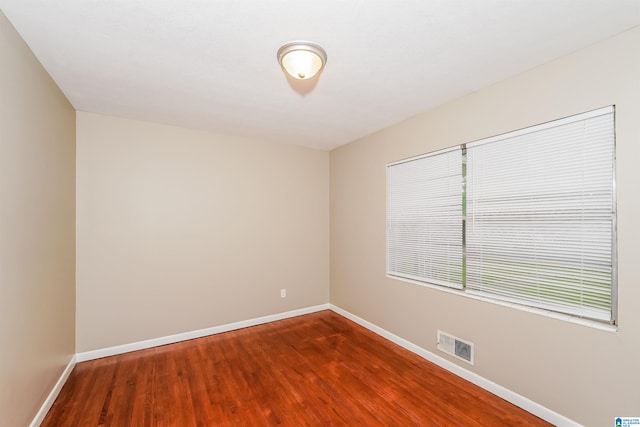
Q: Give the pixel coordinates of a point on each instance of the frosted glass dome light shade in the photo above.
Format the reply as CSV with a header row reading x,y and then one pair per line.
x,y
302,60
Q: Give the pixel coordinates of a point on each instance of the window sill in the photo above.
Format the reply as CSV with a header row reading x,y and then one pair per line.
x,y
539,311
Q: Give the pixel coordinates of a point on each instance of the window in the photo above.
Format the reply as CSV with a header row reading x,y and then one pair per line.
x,y
525,217
425,219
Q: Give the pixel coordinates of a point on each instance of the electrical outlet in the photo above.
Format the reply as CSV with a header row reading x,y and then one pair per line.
x,y
283,293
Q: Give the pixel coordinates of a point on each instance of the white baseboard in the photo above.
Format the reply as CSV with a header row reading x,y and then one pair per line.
x,y
141,345
508,395
48,402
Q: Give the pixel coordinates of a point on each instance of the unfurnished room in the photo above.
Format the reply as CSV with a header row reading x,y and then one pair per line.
x,y
333,213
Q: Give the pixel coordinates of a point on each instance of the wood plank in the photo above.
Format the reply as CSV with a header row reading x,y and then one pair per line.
x,y
317,369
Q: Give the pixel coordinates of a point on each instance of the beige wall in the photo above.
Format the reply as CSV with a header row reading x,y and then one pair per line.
x,y
37,216
585,374
179,230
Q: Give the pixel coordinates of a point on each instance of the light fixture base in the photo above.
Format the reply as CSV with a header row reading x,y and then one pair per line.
x,y
302,59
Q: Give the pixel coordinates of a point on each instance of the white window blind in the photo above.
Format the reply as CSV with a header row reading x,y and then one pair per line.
x,y
540,223
527,217
424,219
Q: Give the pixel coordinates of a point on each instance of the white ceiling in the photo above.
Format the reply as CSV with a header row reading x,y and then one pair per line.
x,y
211,64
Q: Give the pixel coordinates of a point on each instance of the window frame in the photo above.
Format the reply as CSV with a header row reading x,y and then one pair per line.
x,y
613,309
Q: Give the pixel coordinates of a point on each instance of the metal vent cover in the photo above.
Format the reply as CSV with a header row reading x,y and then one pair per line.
x,y
456,347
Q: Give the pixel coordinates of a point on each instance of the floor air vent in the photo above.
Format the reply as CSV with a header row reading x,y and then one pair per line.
x,y
455,346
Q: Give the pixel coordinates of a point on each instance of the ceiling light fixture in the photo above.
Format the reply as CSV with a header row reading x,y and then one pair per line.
x,y
301,59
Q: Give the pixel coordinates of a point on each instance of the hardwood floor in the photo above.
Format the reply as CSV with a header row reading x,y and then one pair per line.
x,y
314,370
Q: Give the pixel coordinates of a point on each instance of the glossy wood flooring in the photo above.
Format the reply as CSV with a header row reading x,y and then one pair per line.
x,y
314,370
